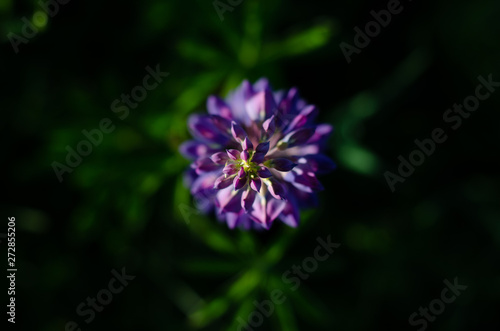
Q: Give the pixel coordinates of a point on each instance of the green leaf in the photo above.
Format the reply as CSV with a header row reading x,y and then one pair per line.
x,y
299,43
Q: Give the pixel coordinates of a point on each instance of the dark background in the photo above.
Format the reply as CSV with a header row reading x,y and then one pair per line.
x,y
121,207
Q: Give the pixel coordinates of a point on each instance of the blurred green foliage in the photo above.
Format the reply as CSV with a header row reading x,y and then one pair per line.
x,y
123,206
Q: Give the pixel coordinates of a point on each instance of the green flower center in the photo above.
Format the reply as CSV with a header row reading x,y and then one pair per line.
x,y
248,166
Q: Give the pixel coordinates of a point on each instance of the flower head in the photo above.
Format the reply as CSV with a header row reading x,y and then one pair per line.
x,y
256,156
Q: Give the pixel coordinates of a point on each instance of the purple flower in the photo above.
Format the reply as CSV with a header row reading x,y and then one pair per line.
x,y
256,156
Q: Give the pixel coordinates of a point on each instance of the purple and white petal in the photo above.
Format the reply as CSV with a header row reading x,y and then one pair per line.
x,y
217,106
